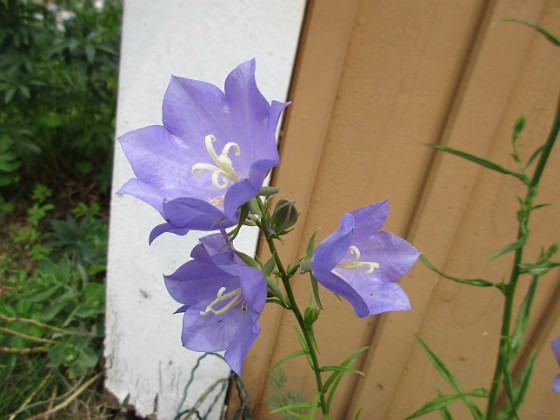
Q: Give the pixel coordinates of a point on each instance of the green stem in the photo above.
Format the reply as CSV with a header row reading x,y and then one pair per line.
x,y
306,330
503,361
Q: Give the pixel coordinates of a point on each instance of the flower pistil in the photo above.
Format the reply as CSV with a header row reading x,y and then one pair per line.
x,y
223,170
355,264
235,297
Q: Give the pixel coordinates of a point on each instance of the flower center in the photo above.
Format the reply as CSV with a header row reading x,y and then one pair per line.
x,y
355,264
234,296
223,170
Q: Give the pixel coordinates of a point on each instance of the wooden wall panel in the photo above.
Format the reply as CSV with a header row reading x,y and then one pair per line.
x,y
374,80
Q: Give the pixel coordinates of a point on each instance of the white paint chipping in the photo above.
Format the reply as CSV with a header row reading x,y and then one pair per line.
x,y
204,40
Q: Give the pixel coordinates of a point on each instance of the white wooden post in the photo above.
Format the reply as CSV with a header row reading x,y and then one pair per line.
x,y
146,364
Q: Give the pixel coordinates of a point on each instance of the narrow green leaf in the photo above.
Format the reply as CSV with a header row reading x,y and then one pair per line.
x,y
449,378
358,413
288,357
478,160
444,411
292,406
345,363
523,318
445,400
540,29
520,389
315,403
470,282
333,391
508,248
342,369
535,154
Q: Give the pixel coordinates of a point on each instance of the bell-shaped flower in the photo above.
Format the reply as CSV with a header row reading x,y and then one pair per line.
x,y
222,300
555,344
210,156
360,263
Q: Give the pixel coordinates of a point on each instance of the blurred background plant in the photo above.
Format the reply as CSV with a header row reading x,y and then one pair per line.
x,y
58,80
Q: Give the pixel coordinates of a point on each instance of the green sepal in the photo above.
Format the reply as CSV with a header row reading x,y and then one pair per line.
x,y
246,259
444,400
450,379
315,287
480,161
311,315
254,208
267,191
311,245
269,266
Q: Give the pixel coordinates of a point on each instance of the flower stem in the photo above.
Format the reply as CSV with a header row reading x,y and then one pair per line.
x,y
307,330
504,353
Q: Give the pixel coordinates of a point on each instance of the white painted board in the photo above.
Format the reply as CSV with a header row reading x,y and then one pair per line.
x,y
204,40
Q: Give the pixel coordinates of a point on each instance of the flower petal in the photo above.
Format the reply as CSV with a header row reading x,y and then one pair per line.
x,y
331,250
197,283
370,219
192,110
394,255
243,191
195,214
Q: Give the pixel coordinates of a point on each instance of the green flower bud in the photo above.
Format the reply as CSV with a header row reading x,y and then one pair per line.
x,y
285,215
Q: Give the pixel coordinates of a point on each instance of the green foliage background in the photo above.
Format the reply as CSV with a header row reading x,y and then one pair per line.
x,y
58,81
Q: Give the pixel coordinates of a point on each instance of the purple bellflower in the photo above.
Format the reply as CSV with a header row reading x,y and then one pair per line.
x,y
555,344
360,263
211,155
222,300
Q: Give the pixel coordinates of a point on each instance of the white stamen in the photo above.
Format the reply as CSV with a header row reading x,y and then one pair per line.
x,y
223,170
235,297
354,264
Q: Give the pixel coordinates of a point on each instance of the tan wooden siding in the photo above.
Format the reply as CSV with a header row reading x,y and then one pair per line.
x,y
374,80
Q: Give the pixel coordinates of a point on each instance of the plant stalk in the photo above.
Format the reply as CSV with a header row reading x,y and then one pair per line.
x,y
295,309
504,351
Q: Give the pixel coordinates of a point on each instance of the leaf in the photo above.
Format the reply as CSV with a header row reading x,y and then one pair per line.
x,y
478,160
449,378
508,248
445,400
315,405
470,282
535,154
345,363
540,29
523,318
293,406
520,389
342,369
288,357
444,411
311,245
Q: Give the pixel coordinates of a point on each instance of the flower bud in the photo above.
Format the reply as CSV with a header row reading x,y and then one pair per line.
x,y
285,215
